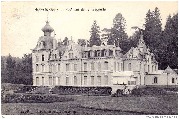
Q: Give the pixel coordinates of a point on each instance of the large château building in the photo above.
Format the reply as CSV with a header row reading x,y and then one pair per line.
x,y
105,65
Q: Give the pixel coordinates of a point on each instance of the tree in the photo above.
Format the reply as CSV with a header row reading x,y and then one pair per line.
x,y
82,42
118,36
65,41
170,45
153,30
95,37
10,67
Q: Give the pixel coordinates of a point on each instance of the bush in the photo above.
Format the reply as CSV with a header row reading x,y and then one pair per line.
x,y
148,91
70,90
32,98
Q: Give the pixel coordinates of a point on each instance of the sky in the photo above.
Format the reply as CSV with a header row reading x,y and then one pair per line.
x,y
21,24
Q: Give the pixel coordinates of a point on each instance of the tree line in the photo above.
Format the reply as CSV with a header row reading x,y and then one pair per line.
x,y
163,43
16,70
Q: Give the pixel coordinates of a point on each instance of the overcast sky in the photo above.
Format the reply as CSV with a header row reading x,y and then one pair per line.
x,y
21,23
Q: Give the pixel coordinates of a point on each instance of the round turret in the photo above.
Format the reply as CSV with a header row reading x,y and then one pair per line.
x,y
47,29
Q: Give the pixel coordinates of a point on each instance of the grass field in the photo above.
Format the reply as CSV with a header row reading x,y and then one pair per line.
x,y
98,105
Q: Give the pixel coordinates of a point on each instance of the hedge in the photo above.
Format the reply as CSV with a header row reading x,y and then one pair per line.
x,y
32,98
71,90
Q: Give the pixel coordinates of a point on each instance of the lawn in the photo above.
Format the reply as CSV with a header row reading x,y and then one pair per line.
x,y
97,105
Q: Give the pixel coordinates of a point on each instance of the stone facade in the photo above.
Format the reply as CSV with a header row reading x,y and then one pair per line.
x,y
75,65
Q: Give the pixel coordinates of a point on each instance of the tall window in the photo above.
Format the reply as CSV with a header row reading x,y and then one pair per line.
x,y
50,68
37,59
118,66
50,80
92,80
152,67
155,79
98,53
54,68
54,80
99,66
114,66
85,80
67,67
148,68
67,80
106,80
85,66
59,80
121,66
37,67
75,67
92,66
129,67
42,57
43,81
37,80
55,56
59,67
106,65
173,80
43,68
75,80
99,80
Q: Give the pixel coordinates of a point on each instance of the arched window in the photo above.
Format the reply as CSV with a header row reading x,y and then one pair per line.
x,y
155,80
129,67
42,57
85,66
43,67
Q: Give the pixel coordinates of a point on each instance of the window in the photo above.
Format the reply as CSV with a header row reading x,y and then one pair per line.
x,y
99,66
70,55
92,66
148,68
67,80
85,66
50,80
85,80
155,79
106,65
59,80
172,80
106,80
37,67
152,67
50,68
92,80
75,67
114,66
67,67
118,66
121,66
54,81
98,53
99,80
37,59
131,82
129,67
140,66
75,80
42,57
59,67
37,80
54,68
55,56
43,68
43,81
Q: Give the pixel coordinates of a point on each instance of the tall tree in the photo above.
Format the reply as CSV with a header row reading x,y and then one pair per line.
x,y
153,34
82,42
95,37
170,45
10,67
65,41
118,36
